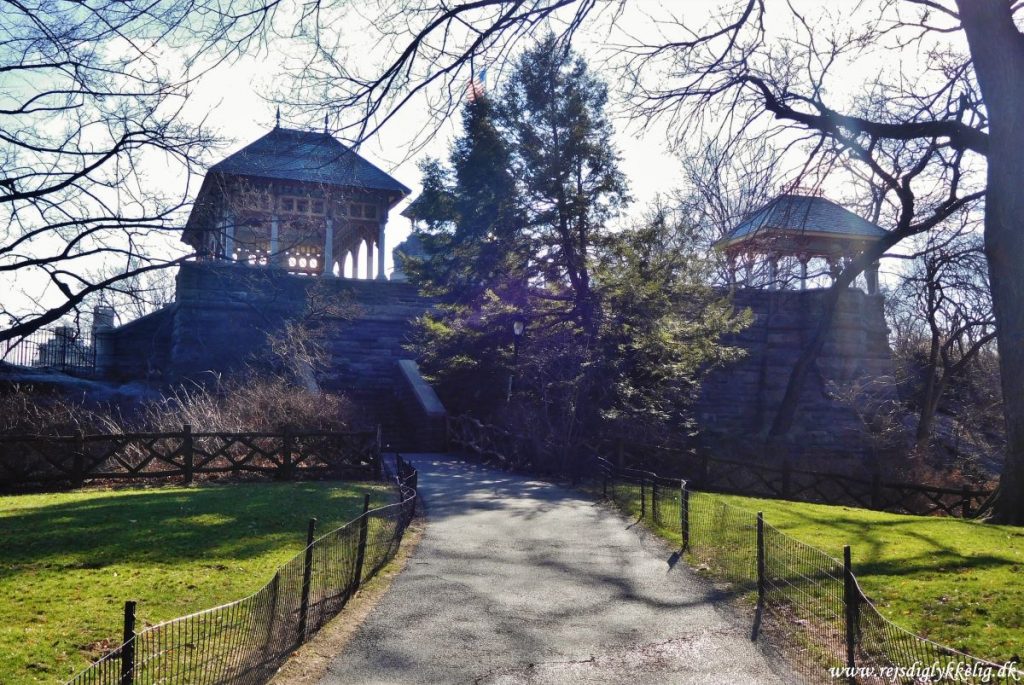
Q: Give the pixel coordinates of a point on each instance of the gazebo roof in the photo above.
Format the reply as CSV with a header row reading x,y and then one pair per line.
x,y
307,156
803,215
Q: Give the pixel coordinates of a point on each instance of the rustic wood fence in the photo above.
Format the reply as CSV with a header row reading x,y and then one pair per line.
x,y
729,476
28,461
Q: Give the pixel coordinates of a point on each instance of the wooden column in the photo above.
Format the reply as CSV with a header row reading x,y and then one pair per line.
x,y
273,259
229,235
328,264
381,276
871,276
803,271
369,259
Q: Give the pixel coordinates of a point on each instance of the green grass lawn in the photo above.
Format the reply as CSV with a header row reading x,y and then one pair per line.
x,y
68,561
959,583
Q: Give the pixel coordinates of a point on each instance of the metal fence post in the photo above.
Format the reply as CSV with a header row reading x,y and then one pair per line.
x,y
188,452
128,646
965,505
364,524
852,602
643,497
654,501
684,514
307,579
759,613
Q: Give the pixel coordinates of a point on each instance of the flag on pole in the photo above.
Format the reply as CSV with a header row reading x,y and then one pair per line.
x,y
477,84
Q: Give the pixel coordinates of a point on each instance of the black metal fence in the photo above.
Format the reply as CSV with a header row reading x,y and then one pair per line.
x,y
64,348
729,476
804,598
246,641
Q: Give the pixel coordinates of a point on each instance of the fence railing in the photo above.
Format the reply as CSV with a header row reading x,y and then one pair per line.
x,y
730,476
34,460
246,641
800,595
64,348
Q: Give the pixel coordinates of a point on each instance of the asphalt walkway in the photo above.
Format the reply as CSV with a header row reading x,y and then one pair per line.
x,y
518,581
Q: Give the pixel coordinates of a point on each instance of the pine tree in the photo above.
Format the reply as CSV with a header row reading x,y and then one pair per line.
x,y
469,210
552,110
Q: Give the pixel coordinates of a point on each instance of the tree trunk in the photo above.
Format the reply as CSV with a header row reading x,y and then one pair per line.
x,y
926,419
930,395
997,49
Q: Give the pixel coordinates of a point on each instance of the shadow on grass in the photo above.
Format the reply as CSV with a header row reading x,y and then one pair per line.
x,y
165,526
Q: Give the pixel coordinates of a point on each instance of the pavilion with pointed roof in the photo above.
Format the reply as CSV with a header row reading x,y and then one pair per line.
x,y
297,200
791,231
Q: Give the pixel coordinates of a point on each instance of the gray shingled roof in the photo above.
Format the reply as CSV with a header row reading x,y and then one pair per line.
x,y
802,213
306,156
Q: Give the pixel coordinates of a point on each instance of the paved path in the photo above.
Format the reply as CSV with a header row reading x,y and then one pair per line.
x,y
517,581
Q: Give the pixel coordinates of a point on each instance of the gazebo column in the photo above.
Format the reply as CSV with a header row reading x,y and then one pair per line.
x,y
274,259
369,259
731,262
381,276
871,276
773,271
229,235
803,270
833,268
748,270
328,265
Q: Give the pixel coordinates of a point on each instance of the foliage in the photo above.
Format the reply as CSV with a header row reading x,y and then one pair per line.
x,y
71,559
619,324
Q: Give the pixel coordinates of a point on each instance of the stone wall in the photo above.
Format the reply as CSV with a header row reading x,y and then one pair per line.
x,y
223,313
738,403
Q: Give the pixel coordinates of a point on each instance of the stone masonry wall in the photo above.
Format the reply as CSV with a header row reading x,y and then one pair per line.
x,y
223,312
738,403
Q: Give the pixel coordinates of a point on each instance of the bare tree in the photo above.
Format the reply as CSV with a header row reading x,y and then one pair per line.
x,y
944,306
771,67
92,95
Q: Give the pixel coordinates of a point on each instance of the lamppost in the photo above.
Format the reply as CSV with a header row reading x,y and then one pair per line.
x,y
518,328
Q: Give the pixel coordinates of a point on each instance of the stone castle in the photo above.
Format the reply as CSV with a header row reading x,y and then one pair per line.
x,y
296,210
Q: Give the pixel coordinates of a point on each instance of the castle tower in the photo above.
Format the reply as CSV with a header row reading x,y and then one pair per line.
x,y
300,201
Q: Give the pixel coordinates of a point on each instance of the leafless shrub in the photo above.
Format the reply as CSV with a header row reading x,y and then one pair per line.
x,y
248,403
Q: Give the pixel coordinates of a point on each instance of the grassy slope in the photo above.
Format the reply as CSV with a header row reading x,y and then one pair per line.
x,y
68,561
959,583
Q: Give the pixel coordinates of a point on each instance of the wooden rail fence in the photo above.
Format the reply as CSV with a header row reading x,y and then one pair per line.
x,y
37,460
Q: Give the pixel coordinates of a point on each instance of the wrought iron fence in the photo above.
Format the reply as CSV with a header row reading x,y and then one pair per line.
x,y
804,598
64,348
33,460
246,641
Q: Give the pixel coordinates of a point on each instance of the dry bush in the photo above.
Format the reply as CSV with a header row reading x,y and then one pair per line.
x,y
248,404
27,411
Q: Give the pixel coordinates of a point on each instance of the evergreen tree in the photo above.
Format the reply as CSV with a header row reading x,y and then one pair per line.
x,y
619,325
552,110
469,211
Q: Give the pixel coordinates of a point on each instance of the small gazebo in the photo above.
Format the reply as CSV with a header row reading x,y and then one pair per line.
x,y
777,244
296,200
